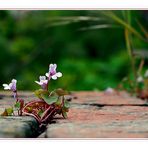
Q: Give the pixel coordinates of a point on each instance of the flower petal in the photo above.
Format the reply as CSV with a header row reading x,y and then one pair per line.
x,y
45,81
51,65
38,82
6,86
10,85
47,74
42,78
59,74
55,66
54,77
52,69
14,81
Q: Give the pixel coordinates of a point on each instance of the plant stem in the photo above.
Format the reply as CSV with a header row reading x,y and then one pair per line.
x,y
132,57
15,95
49,115
45,112
130,49
48,82
140,67
123,23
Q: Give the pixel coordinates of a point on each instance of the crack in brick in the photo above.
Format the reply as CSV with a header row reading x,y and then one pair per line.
x,y
11,96
2,96
103,105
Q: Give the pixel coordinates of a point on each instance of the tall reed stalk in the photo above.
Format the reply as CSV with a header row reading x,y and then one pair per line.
x,y
128,32
128,40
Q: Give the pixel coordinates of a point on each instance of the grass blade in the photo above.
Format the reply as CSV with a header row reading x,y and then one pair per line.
x,y
102,26
123,23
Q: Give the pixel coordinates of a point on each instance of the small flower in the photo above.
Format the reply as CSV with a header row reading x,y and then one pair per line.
x,y
109,90
146,74
43,82
11,86
52,72
140,79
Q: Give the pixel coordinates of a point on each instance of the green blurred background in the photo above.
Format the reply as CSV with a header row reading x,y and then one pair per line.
x,y
89,59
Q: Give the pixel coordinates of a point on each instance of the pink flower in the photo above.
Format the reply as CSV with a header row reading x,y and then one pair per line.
x,y
52,72
43,82
11,86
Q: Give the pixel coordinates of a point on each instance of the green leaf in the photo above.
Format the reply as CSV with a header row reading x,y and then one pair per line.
x,y
58,21
4,113
66,104
40,112
100,26
49,99
9,110
17,105
29,109
61,92
39,93
58,102
64,113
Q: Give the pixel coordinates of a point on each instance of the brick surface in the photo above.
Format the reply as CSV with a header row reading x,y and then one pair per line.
x,y
100,115
16,126
91,115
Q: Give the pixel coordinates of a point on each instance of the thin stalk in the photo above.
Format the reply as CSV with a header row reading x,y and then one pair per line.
x,y
48,81
140,66
129,47
44,114
49,115
123,23
131,56
15,95
145,32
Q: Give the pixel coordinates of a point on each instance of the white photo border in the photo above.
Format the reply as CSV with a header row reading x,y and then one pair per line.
x,y
73,4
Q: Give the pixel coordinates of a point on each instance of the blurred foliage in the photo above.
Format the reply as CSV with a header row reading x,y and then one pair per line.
x,y
89,59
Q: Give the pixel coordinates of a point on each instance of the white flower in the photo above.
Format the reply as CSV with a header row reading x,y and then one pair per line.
x,y
109,90
146,74
140,79
52,72
11,86
43,82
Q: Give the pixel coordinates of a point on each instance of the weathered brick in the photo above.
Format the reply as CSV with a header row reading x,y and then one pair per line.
x,y
17,126
98,115
92,115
